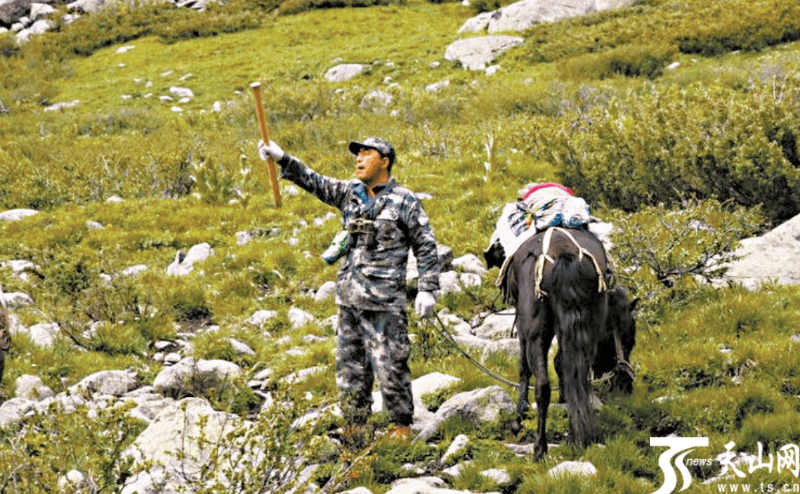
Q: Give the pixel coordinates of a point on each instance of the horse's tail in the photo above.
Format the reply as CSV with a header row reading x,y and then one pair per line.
x,y
579,306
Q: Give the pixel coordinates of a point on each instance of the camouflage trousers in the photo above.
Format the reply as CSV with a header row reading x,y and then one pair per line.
x,y
370,345
5,339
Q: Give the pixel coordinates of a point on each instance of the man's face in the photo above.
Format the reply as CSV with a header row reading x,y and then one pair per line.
x,y
370,165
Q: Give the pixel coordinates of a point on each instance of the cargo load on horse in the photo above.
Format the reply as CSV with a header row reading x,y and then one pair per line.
x,y
540,206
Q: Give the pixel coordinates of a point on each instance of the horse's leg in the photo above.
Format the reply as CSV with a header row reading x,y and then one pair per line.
x,y
542,336
524,374
558,363
536,331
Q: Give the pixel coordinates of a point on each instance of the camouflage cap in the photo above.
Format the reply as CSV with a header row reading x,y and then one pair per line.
x,y
381,145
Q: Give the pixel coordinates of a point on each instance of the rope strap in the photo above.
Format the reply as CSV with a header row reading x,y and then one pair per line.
x,y
548,236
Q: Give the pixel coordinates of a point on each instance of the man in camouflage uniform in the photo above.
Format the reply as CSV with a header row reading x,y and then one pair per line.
x,y
383,220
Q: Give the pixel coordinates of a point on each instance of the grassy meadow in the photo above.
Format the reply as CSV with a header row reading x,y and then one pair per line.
x,y
586,102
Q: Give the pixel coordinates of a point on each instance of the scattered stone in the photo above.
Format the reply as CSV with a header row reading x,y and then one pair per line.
x,y
299,317
17,214
32,388
134,270
18,300
184,265
477,53
459,443
240,347
259,317
326,290
498,475
437,86
583,468
344,72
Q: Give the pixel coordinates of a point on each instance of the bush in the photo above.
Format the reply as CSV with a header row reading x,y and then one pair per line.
x,y
745,25
185,301
628,60
696,26
676,143
290,7
663,254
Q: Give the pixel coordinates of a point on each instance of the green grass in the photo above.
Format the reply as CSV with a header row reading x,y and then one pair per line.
x,y
720,363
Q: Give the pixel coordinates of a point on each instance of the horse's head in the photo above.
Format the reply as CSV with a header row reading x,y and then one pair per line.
x,y
621,317
621,326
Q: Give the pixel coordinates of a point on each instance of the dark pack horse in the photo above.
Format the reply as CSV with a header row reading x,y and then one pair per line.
x,y
559,281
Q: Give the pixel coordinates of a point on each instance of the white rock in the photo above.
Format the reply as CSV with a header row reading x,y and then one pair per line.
x,y
771,256
40,10
477,53
243,238
240,347
499,475
17,214
134,270
18,300
61,106
304,374
326,290
376,100
197,253
437,86
259,317
32,388
299,317
112,382
480,404
497,326
583,468
179,377
344,72
459,443
181,92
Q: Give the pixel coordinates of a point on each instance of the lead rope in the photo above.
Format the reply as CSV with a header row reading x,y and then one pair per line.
x,y
447,336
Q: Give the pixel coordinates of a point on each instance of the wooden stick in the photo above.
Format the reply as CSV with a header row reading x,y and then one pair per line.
x,y
262,124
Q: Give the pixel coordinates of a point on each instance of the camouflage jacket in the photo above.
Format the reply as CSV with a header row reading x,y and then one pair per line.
x,y
372,275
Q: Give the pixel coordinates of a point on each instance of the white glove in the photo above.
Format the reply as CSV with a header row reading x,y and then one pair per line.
x,y
269,151
424,303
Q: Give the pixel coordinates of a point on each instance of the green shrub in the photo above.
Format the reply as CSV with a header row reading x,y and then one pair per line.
x,y
628,60
36,457
480,6
186,302
743,25
664,254
665,145
289,7
696,26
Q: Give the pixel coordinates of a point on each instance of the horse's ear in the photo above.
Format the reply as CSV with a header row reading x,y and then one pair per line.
x,y
633,304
